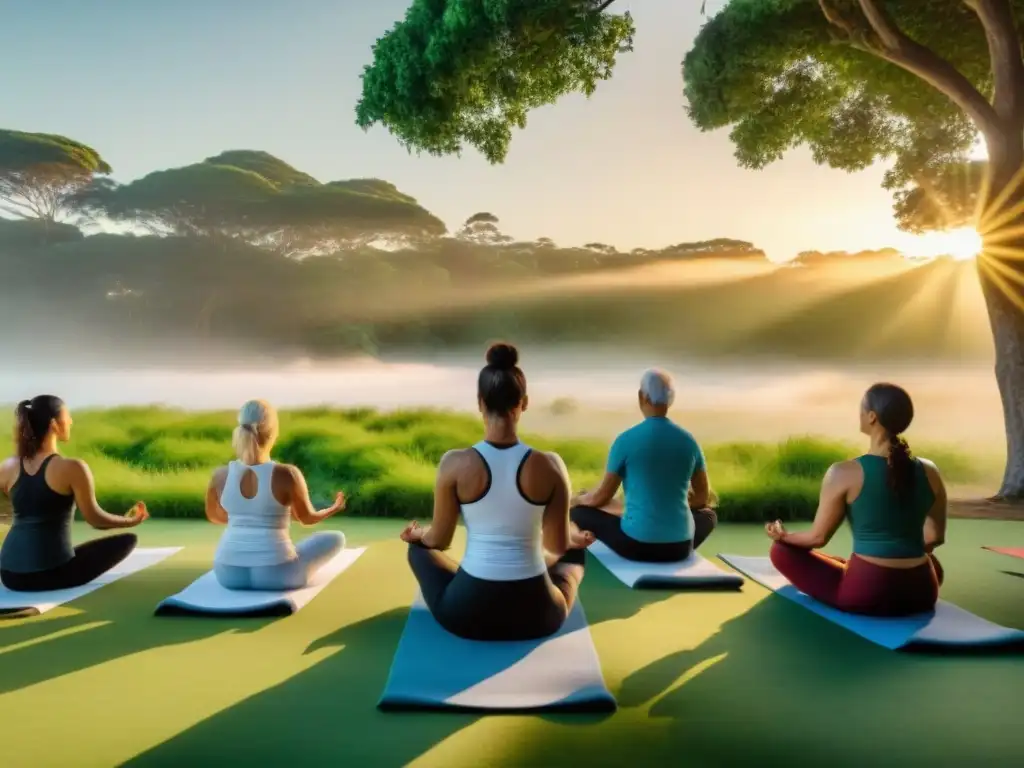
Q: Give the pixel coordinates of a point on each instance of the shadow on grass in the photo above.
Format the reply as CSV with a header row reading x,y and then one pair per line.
x,y
1018,574
324,716
112,622
780,685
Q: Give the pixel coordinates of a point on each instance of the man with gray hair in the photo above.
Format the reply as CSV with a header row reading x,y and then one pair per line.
x,y
663,473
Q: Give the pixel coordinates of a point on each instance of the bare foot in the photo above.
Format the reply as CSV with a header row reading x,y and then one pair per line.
x,y
579,539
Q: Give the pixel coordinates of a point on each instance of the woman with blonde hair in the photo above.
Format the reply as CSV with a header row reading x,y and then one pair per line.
x,y
256,498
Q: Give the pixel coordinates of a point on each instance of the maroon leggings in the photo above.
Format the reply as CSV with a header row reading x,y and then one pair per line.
x,y
858,586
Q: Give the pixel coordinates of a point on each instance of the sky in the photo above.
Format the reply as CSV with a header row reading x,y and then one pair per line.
x,y
157,85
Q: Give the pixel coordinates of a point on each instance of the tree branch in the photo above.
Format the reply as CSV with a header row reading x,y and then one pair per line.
x,y
895,46
880,36
604,6
1004,46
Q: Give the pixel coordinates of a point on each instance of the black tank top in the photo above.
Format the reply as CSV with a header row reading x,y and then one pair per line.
x,y
40,534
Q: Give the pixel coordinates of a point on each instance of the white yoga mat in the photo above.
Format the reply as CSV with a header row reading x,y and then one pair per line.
x,y
695,572
948,625
34,603
205,595
434,669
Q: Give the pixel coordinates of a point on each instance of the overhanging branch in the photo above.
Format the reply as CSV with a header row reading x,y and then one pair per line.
x,y
878,34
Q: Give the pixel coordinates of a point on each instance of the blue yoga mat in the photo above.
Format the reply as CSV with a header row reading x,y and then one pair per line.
x,y
434,669
947,625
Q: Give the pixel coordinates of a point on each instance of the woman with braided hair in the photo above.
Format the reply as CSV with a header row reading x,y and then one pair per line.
x,y
896,506
44,488
256,498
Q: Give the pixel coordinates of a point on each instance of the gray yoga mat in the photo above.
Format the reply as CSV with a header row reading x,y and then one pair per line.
x,y
695,572
434,669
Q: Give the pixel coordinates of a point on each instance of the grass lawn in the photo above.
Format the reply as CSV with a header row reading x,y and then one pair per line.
x,y
712,679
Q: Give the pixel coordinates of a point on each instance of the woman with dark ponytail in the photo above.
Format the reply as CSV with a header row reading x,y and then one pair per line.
x,y
524,560
44,487
896,506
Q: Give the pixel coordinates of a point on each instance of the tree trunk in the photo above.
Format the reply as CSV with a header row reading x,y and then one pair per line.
x,y
1004,298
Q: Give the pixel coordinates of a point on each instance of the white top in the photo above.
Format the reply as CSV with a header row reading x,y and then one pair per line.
x,y
257,532
503,529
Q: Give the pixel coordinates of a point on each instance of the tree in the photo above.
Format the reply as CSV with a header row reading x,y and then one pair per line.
x,y
261,200
482,229
910,81
462,73
41,174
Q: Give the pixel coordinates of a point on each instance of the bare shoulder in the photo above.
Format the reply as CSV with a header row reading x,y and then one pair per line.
x,y
930,469
8,466
457,458
75,467
843,471
219,477
286,474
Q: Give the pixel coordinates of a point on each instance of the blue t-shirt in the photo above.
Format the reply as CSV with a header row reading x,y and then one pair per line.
x,y
656,460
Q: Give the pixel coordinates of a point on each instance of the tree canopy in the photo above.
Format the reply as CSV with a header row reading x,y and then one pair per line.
x,y
462,73
41,174
258,198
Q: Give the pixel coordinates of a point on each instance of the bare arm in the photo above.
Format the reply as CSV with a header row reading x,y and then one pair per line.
x,y
215,513
603,494
555,521
935,523
84,489
442,527
830,514
700,489
8,471
302,506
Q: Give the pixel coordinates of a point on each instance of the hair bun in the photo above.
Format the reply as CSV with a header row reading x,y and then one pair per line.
x,y
501,355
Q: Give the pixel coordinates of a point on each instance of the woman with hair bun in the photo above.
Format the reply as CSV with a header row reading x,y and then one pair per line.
x,y
896,506
256,498
524,560
44,488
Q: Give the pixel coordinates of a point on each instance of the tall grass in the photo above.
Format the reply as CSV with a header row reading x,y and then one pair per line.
x,y
385,462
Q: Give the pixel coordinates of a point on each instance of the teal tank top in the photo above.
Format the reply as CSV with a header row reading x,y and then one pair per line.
x,y
882,525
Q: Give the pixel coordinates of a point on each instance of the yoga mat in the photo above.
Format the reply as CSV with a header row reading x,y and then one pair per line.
x,y
695,572
948,625
19,604
434,669
1011,551
205,596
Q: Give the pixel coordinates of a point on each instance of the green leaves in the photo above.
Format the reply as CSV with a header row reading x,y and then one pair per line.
x,y
467,72
780,75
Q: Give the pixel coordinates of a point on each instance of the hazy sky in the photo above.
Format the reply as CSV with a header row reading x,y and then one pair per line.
x,y
158,84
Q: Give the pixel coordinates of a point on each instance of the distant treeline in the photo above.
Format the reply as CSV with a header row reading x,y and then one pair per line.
x,y
242,251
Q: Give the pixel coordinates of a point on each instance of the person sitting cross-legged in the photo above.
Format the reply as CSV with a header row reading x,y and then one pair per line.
x,y
666,514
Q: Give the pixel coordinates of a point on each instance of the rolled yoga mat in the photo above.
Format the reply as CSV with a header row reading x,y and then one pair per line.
x,y
948,625
206,597
695,572
434,669
1011,551
18,604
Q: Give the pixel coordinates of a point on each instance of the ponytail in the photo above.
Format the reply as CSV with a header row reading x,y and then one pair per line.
x,y
257,428
32,419
902,469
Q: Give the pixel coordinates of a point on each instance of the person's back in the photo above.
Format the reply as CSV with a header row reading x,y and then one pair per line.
x,y
40,534
883,524
656,459
257,531
503,527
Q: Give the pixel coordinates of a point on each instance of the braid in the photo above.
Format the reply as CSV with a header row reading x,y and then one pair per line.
x,y
901,468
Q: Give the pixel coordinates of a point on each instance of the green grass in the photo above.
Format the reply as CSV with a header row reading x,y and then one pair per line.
x,y
385,462
702,679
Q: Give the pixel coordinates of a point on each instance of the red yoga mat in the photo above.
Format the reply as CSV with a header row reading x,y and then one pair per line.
x,y
1011,551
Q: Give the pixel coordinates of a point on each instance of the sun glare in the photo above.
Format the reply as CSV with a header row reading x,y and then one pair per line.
x,y
960,244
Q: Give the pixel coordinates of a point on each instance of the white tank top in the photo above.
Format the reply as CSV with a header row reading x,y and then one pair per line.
x,y
257,532
503,529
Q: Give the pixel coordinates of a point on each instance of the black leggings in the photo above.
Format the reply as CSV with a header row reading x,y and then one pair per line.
x,y
479,609
607,528
91,559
